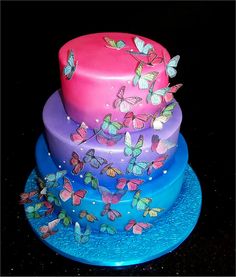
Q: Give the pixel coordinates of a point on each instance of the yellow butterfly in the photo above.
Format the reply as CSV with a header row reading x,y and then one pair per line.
x,y
152,211
111,171
88,216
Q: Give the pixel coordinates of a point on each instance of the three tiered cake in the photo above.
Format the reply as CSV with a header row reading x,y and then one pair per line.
x,y
111,160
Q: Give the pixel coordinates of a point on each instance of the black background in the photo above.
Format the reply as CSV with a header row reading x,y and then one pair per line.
x,y
203,34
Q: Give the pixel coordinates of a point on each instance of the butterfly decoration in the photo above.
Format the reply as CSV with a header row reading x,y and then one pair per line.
x,y
106,139
93,160
170,66
152,58
53,199
25,197
169,92
64,217
125,104
52,179
112,214
155,97
111,43
70,68
42,188
47,230
158,163
33,211
143,48
140,203
137,227
105,228
158,121
68,193
80,237
90,179
49,206
135,121
136,168
143,80
109,197
111,171
130,150
80,135
112,126
152,212
161,145
132,184
77,163
88,216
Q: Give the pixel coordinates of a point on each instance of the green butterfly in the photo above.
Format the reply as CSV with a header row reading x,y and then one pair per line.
x,y
113,127
155,97
90,179
143,80
52,198
105,228
66,219
111,43
140,203
32,211
168,110
137,168
130,150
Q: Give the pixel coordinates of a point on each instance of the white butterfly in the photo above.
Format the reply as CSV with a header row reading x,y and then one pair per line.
x,y
170,67
125,104
161,145
143,80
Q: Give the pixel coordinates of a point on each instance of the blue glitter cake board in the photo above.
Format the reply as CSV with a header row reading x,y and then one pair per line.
x,y
123,248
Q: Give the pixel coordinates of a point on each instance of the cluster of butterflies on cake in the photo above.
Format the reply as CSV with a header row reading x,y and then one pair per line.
x,y
48,201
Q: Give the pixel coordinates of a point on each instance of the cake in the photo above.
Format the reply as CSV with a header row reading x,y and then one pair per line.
x,y
111,159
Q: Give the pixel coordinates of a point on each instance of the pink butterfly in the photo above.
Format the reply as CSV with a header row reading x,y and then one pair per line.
x,y
107,139
25,197
77,163
112,214
68,193
137,121
170,90
49,206
137,226
47,230
153,58
109,197
131,184
156,164
125,104
80,135
161,145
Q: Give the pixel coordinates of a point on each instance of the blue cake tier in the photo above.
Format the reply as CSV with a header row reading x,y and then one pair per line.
x,y
161,192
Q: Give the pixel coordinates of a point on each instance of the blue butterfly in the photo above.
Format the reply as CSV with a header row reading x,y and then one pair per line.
x,y
94,161
52,179
137,168
82,237
141,46
70,68
170,67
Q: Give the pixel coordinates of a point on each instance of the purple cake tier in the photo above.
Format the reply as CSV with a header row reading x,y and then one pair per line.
x,y
108,164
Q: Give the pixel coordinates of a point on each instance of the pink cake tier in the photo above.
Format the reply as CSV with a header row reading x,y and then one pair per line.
x,y
97,70
59,129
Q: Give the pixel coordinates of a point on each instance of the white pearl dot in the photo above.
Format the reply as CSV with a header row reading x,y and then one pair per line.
x,y
59,166
150,178
97,120
129,82
128,212
164,171
146,150
73,181
68,118
131,50
49,154
140,104
93,202
110,152
73,211
81,149
64,162
81,176
107,105
122,160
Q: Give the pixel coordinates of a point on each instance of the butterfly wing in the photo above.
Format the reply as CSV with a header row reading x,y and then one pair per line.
x,y
143,203
106,121
138,73
139,167
77,196
106,194
77,231
106,209
53,224
174,61
149,77
155,142
66,193
158,122
110,42
169,95
80,135
140,120
139,44
116,197
120,44
130,225
114,127
84,238
121,183
136,198
164,145
96,162
128,119
113,214
128,146
137,149
133,184
158,163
